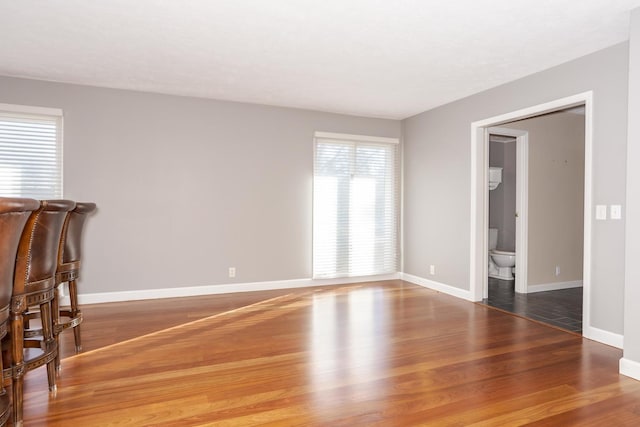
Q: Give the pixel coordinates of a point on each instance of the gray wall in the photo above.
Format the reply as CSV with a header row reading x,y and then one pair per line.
x,y
437,174
502,200
632,279
188,187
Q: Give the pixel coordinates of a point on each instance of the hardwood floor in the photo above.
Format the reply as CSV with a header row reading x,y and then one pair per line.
x,y
384,353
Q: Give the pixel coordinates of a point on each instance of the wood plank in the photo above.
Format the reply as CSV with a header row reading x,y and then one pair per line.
x,y
384,353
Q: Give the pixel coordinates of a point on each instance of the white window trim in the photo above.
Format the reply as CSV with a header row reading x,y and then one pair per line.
x,y
36,111
28,109
352,137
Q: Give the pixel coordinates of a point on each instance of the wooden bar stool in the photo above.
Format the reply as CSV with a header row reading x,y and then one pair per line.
x,y
34,285
14,214
69,258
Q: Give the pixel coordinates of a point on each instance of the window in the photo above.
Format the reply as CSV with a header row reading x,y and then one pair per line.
x,y
355,205
30,152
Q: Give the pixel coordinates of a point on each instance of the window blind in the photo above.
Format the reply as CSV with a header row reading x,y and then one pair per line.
x,y
355,206
30,153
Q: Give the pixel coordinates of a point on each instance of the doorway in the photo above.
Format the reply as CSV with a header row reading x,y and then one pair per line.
x,y
548,283
516,176
480,202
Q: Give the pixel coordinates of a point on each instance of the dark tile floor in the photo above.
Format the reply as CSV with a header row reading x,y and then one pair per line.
x,y
561,308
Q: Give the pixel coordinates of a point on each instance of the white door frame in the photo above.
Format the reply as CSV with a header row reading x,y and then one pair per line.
x,y
521,208
479,193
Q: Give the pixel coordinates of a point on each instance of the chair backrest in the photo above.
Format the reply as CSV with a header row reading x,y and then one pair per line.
x,y
71,241
14,214
37,258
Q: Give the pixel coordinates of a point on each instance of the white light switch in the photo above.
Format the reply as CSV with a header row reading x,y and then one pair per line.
x,y
601,212
616,212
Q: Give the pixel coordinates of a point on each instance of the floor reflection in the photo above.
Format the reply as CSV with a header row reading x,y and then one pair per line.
x,y
349,344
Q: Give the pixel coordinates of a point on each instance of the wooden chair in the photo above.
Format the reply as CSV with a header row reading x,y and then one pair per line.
x,y
34,285
69,257
13,217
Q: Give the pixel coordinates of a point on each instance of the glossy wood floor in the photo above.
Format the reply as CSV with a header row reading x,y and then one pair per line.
x,y
385,353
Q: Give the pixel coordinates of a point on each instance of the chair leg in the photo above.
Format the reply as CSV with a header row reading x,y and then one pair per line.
x,y
55,312
75,311
17,365
5,403
17,401
49,342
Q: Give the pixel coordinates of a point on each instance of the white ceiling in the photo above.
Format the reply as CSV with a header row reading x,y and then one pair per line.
x,y
378,58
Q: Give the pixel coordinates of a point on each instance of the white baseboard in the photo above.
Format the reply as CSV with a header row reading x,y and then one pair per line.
x,y
605,337
188,291
437,286
589,332
554,286
630,368
595,334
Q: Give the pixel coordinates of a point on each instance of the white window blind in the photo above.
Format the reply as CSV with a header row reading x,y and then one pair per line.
x,y
30,152
355,206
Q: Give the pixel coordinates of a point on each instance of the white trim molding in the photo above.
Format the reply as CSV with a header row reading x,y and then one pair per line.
x,y
190,291
630,368
600,335
359,138
28,109
478,194
437,286
554,286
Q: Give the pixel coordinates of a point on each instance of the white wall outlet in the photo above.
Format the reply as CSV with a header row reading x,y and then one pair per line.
x,y
232,272
616,212
601,212
557,270
432,270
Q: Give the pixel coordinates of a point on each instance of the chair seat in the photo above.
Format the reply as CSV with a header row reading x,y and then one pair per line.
x,y
68,271
14,214
34,286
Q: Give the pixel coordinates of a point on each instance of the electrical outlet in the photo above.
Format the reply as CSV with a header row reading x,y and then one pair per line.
x,y
432,270
232,272
557,270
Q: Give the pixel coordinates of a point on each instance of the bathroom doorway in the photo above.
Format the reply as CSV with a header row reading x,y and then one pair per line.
x,y
508,219
558,268
547,284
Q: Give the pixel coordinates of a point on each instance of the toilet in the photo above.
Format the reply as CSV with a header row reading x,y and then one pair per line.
x,y
501,263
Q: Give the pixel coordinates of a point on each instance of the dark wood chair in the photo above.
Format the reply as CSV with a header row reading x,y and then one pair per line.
x,y
34,285
69,258
13,217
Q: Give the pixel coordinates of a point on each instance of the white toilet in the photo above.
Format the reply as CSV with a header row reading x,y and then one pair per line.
x,y
501,263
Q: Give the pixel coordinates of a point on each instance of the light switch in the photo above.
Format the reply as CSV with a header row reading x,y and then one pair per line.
x,y
616,212
601,212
